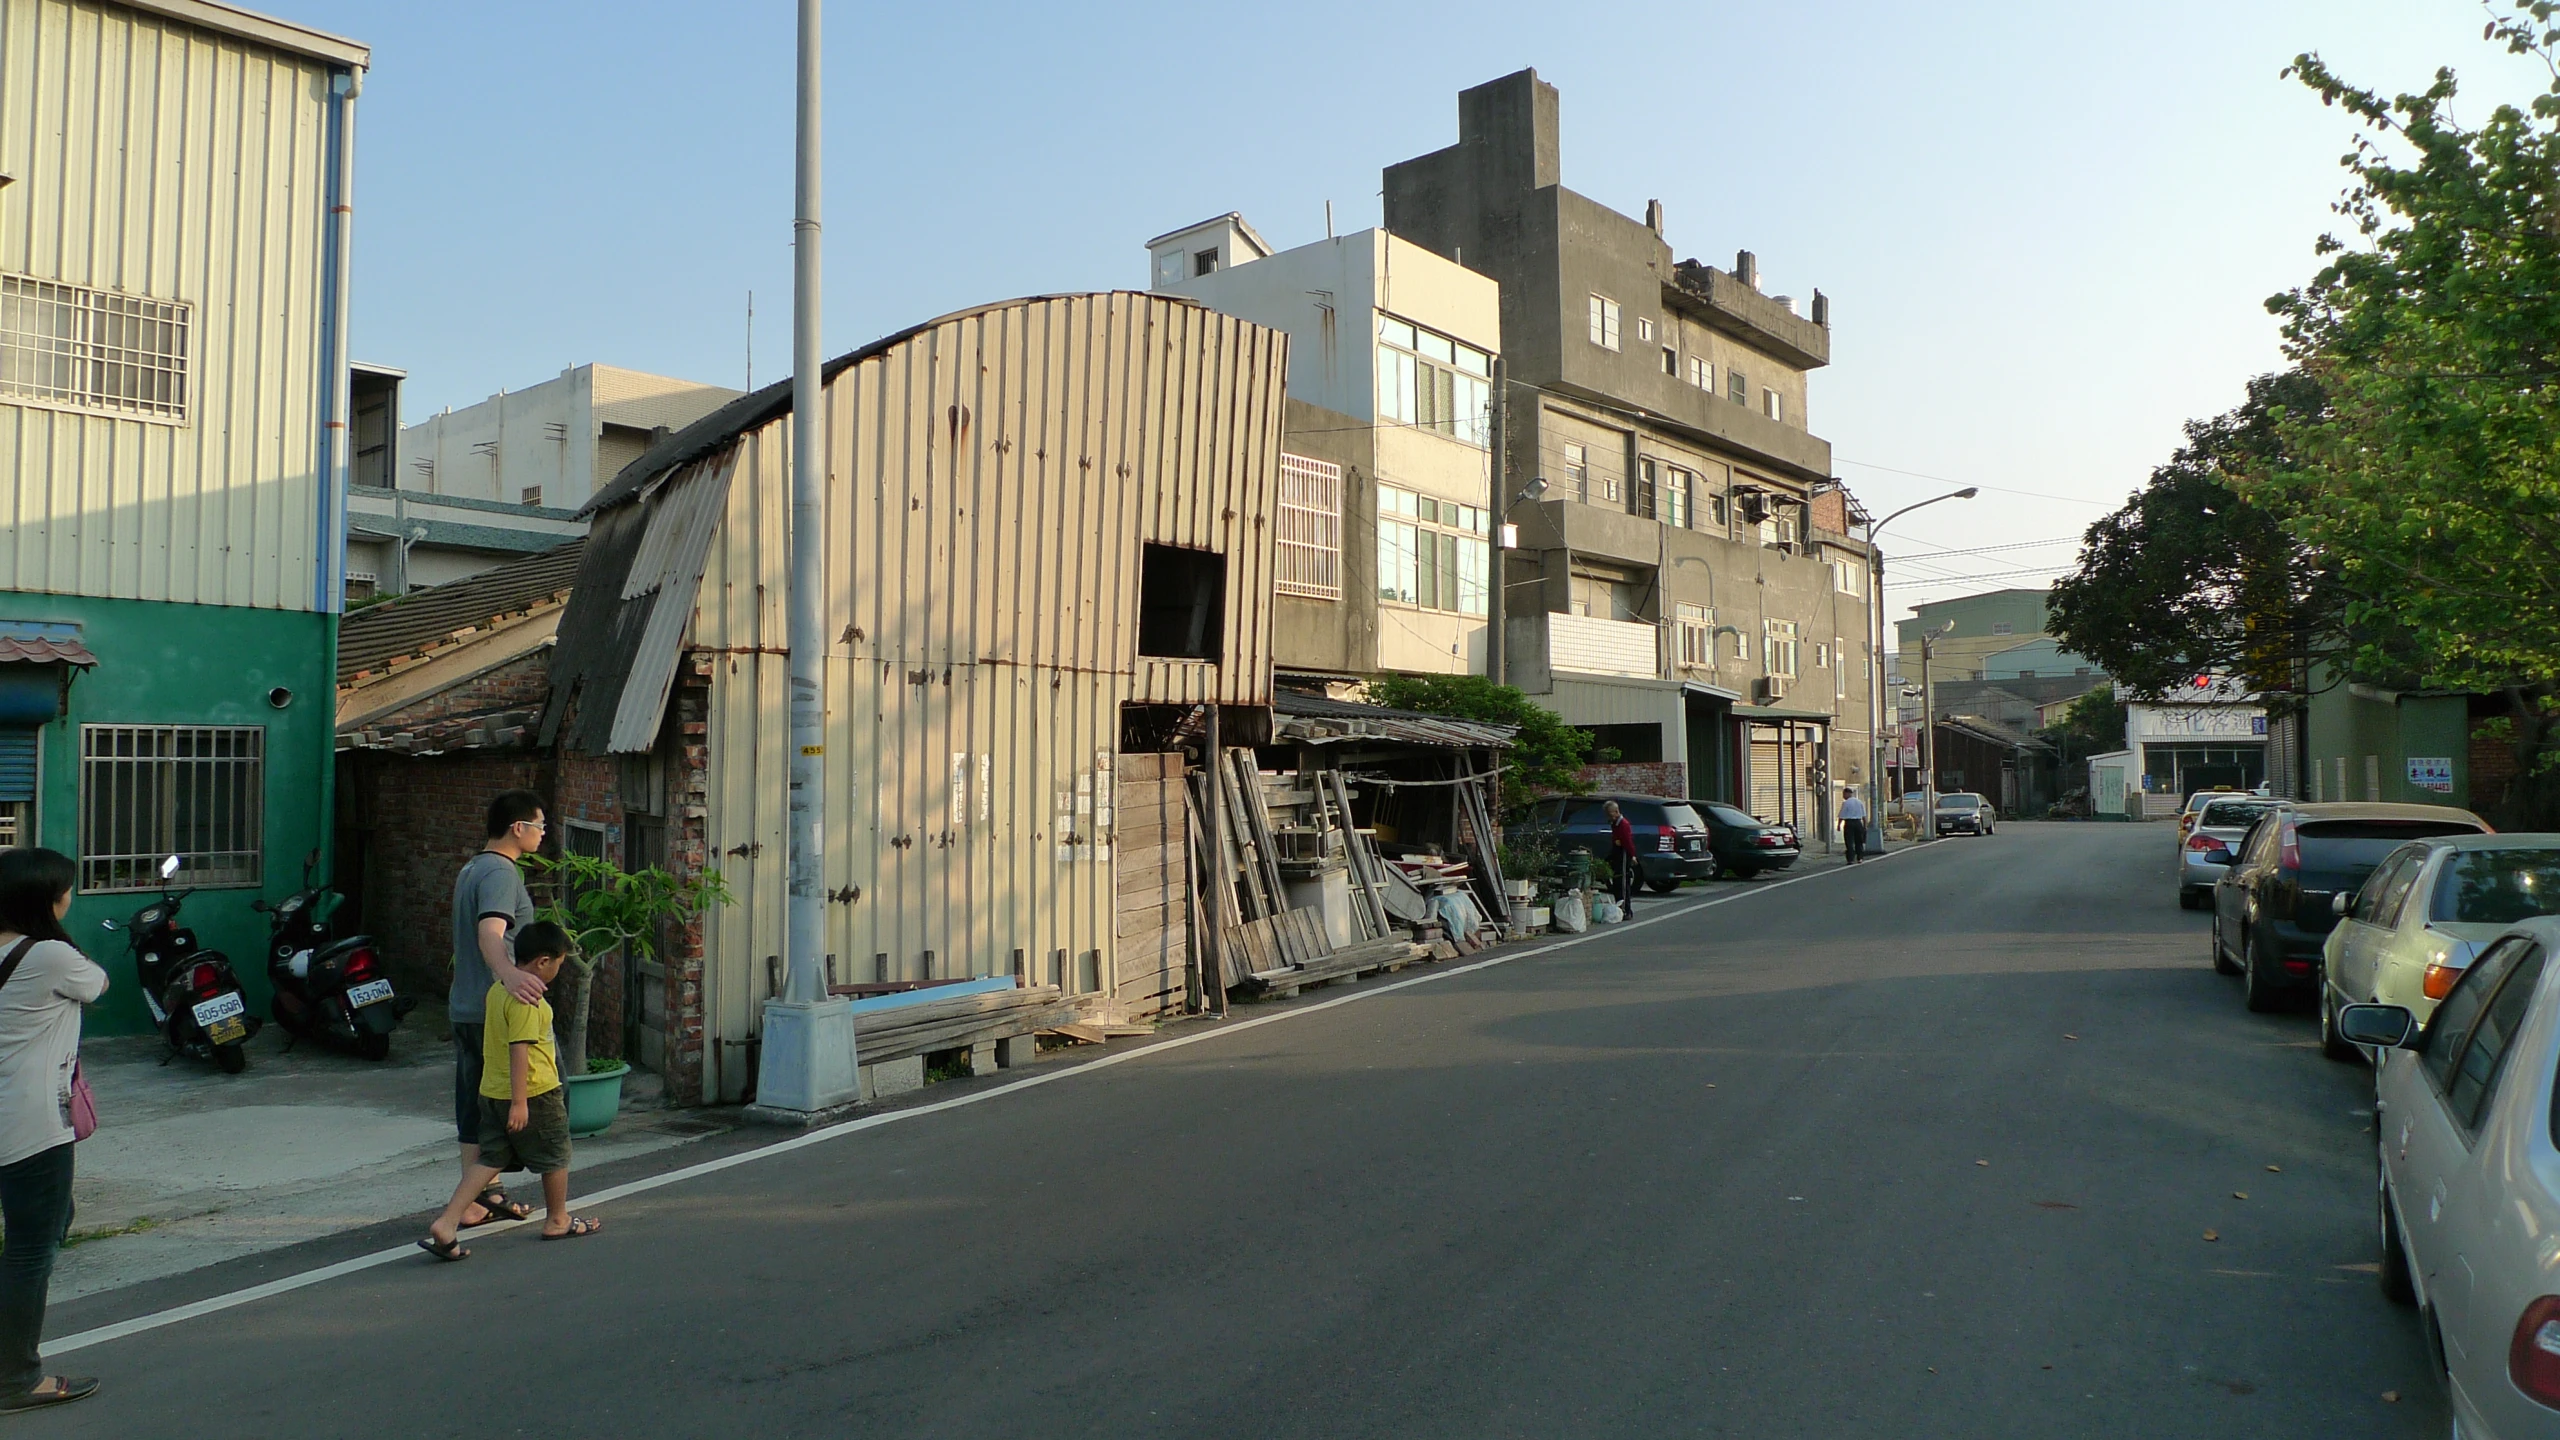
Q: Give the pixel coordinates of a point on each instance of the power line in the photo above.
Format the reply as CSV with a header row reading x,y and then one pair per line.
x,y
1943,480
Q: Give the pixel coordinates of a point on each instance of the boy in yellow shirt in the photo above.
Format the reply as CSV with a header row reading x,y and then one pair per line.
x,y
524,1112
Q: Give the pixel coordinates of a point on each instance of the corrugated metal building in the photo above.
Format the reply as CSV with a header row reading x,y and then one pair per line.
x,y
174,230
1041,515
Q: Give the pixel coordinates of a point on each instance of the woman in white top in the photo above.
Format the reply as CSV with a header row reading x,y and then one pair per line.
x,y
44,982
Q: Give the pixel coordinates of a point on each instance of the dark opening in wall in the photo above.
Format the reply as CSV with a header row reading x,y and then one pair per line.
x,y
1624,744
1182,603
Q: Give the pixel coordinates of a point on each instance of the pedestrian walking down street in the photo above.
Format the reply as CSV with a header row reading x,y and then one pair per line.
x,y
44,983
1622,856
1853,822
490,904
524,1113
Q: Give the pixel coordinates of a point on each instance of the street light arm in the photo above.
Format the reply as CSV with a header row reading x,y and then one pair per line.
x,y
1966,493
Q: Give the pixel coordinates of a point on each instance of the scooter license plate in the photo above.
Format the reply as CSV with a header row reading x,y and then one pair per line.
x,y
227,1032
220,1008
372,992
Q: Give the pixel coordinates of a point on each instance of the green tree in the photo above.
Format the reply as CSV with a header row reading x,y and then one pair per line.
x,y
2430,480
2090,725
2194,577
1547,755
604,907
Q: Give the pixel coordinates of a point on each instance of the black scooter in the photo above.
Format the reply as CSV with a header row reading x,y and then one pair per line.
x,y
333,991
193,994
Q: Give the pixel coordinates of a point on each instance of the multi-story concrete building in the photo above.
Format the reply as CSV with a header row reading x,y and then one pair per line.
x,y
1686,584
1385,520
465,490
1992,623
176,181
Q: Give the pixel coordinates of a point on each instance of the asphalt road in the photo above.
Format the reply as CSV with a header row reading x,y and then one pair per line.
x,y
1823,1161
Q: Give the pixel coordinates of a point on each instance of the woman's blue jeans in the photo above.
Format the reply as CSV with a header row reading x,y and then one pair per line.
x,y
35,1206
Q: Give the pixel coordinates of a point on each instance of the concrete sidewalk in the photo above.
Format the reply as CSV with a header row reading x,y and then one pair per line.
x,y
191,1166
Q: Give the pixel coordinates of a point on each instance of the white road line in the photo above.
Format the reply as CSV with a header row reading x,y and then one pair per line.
x,y
217,1303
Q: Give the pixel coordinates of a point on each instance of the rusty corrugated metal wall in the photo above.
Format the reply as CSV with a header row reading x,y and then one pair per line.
x,y
166,162
993,480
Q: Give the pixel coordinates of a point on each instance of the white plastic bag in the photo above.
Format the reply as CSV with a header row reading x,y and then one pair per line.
x,y
1571,916
1605,911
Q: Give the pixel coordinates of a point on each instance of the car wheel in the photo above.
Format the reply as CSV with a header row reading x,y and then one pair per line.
x,y
1744,872
2221,958
1663,886
2261,986
2331,1044
2394,1269
2189,899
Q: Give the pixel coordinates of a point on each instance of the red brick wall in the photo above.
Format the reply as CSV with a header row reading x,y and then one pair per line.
x,y
1667,778
419,820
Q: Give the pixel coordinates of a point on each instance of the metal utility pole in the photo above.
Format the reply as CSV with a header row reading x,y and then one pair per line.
x,y
1875,688
807,1060
1929,730
1497,558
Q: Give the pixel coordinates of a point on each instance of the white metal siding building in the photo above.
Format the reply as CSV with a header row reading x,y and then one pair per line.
x,y
1000,483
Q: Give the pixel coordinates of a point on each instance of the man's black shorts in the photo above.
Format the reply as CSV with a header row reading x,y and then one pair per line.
x,y
466,1083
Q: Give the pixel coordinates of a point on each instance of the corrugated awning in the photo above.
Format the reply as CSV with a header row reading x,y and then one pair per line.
x,y
1772,712
1310,719
42,642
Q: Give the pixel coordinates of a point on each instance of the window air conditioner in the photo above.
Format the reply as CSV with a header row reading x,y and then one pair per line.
x,y
1771,688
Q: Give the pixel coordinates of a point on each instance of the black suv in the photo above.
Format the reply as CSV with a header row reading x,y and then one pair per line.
x,y
2271,910
1671,840
1745,845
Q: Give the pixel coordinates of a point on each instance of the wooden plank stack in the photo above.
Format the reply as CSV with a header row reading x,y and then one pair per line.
x,y
931,1025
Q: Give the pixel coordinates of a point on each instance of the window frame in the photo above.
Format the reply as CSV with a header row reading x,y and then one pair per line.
x,y
86,359
1404,518
1781,639
1426,381
1605,319
1737,385
2495,963
1307,545
2521,980
133,868
1694,631
1773,404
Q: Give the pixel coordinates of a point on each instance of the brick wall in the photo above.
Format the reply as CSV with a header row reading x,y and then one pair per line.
x,y
417,821
1667,778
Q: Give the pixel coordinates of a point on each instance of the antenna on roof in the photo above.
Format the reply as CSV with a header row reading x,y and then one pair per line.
x,y
1328,219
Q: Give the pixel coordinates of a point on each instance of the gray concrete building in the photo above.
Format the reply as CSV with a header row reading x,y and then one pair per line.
x,y
1686,584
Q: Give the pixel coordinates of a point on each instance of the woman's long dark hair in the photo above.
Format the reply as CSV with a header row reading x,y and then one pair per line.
x,y
32,881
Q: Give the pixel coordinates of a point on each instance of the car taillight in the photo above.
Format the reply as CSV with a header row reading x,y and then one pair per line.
x,y
2533,1357
1771,841
2438,981
205,979
2201,842
2290,854
1665,842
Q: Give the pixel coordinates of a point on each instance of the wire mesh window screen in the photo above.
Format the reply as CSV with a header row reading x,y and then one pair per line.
x,y
1310,540
193,791
78,348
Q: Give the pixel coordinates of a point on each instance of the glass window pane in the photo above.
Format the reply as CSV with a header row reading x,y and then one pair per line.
x,y
1471,572
1395,332
1474,361
1436,347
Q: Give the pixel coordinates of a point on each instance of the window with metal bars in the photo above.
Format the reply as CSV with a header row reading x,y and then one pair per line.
x,y
71,347
194,791
1309,549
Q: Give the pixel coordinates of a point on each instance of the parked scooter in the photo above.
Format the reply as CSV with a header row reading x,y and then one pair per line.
x,y
194,997
330,990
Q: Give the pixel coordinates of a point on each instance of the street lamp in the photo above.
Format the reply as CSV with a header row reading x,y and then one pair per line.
x,y
1875,687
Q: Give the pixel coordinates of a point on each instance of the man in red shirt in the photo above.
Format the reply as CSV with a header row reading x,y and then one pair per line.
x,y
1622,856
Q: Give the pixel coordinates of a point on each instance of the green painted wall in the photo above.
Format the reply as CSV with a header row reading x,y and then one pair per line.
x,y
2342,724
169,664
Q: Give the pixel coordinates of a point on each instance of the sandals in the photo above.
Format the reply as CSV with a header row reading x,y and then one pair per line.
x,y
445,1250
495,1206
66,1388
580,1227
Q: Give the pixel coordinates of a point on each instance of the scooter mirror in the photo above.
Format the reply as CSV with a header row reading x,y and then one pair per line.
x,y
168,867
106,924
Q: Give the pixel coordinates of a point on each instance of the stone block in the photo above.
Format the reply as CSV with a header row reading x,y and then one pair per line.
x,y
892,1077
982,1058
1014,1052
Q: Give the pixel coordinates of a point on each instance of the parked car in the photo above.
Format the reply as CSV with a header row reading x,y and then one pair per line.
x,y
2272,907
2469,1192
2196,802
1963,812
2221,824
1671,839
2407,934
1745,845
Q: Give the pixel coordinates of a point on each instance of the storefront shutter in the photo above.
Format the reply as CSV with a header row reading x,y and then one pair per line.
x,y
17,764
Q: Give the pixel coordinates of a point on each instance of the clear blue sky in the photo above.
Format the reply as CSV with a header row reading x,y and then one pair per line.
x,y
2046,230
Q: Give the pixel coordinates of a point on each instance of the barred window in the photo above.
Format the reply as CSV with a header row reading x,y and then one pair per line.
x,y
71,347
1310,540
194,791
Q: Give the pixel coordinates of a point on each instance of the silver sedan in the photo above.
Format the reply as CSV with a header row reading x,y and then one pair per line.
x,y
2205,850
2468,1203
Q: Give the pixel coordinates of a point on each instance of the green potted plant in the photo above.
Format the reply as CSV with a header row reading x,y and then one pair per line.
x,y
606,908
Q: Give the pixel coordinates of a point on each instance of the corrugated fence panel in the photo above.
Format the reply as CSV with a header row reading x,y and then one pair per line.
x,y
163,162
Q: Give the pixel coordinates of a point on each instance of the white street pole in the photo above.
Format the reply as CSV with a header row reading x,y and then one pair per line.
x,y
807,1059
1875,730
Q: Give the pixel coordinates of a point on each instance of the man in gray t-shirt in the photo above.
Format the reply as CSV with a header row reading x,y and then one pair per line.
x,y
490,905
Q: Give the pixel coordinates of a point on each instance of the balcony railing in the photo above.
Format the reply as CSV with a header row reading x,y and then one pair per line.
x,y
1587,646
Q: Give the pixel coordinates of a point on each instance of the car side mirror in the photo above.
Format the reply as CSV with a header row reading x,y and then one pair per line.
x,y
2388,1026
2342,904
